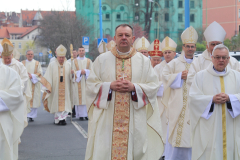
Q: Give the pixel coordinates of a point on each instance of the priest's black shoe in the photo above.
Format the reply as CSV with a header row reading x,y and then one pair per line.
x,y
30,120
86,118
81,119
62,122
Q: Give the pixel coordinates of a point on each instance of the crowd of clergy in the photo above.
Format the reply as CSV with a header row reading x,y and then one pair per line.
x,y
142,101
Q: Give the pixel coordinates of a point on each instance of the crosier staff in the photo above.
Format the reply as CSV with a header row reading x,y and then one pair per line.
x,y
71,51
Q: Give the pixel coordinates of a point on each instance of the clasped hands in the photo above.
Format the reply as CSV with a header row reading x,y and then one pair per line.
x,y
221,98
30,76
184,74
83,72
122,86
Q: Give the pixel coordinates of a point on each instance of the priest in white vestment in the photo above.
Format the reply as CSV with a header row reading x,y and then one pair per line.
x,y
142,46
214,35
57,83
82,67
75,55
214,100
7,59
169,52
174,76
124,121
11,110
155,52
35,73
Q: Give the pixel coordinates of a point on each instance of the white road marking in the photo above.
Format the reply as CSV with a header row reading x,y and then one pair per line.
x,y
80,129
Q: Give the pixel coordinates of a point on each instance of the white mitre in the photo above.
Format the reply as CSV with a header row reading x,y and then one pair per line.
x,y
189,35
61,51
111,45
214,32
1,49
135,42
168,45
142,44
102,48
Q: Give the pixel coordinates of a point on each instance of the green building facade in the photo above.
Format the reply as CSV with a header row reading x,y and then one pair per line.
x,y
166,16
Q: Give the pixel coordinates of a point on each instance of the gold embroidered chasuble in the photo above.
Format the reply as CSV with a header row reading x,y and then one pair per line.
x,y
177,104
126,130
215,138
57,80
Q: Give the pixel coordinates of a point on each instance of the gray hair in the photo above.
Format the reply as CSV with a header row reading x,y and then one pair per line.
x,y
29,50
220,46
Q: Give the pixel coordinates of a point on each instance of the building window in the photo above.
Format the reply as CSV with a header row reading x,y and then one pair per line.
x,y
166,3
239,13
118,16
107,16
166,33
32,36
13,44
27,37
180,17
19,45
180,4
104,8
192,18
156,17
136,16
122,8
239,28
192,4
166,17
156,4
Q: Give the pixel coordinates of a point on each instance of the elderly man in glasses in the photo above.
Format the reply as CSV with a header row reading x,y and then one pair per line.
x,y
214,35
214,100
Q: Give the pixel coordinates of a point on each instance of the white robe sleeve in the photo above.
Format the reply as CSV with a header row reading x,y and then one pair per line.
x,y
235,106
142,98
101,100
206,114
160,91
87,73
34,79
79,76
3,106
178,82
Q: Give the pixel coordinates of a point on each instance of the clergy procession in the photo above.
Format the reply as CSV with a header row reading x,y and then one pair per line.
x,y
142,100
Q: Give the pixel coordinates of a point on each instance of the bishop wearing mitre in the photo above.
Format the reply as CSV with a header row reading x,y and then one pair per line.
x,y
12,108
82,67
155,52
174,77
214,100
7,59
57,83
214,35
142,46
122,107
169,52
35,73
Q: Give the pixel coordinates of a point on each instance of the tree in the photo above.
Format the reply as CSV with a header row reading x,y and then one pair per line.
x,y
29,45
62,28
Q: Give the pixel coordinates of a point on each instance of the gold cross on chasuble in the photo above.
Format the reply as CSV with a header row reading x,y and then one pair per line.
x,y
224,130
61,91
121,113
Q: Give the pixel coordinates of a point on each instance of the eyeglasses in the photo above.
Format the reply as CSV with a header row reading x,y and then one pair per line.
x,y
188,47
219,57
215,44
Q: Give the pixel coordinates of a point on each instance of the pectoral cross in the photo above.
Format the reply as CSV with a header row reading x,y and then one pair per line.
x,y
123,76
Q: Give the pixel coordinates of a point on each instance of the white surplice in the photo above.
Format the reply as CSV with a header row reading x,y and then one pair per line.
x,y
177,109
206,127
25,85
203,61
144,141
11,113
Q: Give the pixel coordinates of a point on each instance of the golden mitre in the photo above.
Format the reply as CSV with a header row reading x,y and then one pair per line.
x,y
155,50
189,35
111,45
168,44
102,48
142,44
7,47
61,50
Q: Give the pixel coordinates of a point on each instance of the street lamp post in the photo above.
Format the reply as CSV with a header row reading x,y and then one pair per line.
x,y
100,18
187,14
158,15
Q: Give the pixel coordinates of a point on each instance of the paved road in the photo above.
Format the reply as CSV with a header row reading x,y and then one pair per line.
x,y
42,140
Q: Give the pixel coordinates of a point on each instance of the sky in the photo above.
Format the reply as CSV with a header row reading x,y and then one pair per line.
x,y
44,5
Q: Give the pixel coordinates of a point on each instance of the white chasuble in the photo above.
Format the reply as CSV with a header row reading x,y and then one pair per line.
x,y
35,69
79,96
57,80
176,102
120,128
218,137
163,109
203,61
25,85
11,113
